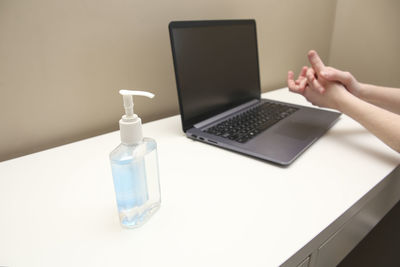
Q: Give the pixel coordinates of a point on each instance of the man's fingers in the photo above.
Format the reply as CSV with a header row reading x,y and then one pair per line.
x,y
333,74
290,81
303,83
303,72
313,82
295,86
310,75
315,61
290,75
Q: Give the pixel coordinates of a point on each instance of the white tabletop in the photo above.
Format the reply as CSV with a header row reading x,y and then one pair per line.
x,y
219,208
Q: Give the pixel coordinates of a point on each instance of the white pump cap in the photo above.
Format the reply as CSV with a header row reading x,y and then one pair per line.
x,y
130,124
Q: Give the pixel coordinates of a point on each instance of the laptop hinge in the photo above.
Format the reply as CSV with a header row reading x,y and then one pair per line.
x,y
225,114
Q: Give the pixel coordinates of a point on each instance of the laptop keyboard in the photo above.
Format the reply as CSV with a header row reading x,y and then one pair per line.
x,y
243,127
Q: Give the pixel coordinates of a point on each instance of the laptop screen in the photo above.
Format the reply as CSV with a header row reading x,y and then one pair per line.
x,y
216,66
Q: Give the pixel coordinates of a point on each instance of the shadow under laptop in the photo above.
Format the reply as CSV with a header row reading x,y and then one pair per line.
x,y
247,155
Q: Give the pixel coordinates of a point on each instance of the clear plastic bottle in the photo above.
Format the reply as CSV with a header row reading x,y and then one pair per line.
x,y
134,166
136,181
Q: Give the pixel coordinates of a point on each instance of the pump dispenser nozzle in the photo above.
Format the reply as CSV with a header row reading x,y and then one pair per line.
x,y
128,100
130,124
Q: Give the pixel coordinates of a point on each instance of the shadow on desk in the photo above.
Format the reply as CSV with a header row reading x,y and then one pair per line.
x,y
380,247
346,137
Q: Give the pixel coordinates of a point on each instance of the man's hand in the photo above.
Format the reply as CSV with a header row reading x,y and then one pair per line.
x,y
316,88
317,65
335,75
332,92
300,84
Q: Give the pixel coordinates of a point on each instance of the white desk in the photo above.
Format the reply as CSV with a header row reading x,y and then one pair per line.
x,y
219,208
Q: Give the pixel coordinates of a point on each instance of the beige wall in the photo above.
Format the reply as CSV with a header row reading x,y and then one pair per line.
x,y
61,62
366,40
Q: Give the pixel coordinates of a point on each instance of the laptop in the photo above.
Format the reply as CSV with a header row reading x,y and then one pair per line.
x,y
218,82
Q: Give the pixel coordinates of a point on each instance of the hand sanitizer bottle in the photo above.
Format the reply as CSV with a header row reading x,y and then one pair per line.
x,y
134,167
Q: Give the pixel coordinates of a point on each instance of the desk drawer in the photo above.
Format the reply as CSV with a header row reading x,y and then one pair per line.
x,y
305,263
333,251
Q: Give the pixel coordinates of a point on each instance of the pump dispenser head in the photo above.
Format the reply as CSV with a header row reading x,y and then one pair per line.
x,y
130,124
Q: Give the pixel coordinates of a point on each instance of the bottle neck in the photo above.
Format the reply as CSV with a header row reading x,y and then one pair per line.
x,y
131,131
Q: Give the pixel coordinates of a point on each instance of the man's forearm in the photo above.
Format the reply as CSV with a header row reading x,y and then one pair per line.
x,y
382,123
385,97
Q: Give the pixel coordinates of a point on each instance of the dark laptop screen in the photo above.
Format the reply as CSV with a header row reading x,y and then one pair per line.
x,y
216,66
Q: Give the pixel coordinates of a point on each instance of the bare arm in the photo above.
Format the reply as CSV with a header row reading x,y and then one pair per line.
x,y
385,97
382,123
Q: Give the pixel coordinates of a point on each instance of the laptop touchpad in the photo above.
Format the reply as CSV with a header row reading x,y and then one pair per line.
x,y
298,130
